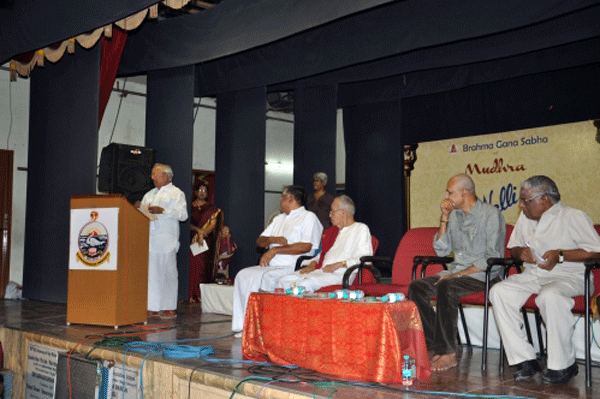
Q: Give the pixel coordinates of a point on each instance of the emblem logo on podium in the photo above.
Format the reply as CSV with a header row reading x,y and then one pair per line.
x,y
93,243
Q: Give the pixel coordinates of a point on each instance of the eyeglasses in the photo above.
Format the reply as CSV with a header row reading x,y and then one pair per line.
x,y
202,190
526,201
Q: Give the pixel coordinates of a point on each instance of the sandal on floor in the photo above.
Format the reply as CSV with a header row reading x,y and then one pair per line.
x,y
168,314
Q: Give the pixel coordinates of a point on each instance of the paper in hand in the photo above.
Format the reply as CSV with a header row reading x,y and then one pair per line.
x,y
144,209
198,248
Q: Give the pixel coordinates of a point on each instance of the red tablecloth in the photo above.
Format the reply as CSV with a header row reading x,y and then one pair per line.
x,y
351,340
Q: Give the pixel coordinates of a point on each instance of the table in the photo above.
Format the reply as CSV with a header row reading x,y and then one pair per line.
x,y
347,339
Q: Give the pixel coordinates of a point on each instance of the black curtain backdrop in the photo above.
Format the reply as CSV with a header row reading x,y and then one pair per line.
x,y
63,146
240,170
231,27
315,120
402,38
29,25
545,99
170,131
375,170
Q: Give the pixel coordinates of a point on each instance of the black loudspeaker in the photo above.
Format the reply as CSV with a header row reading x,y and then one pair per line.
x,y
126,169
84,378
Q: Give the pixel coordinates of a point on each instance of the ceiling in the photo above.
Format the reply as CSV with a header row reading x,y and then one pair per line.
x,y
193,7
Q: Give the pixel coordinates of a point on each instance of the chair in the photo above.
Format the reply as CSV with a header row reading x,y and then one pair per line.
x,y
582,305
374,242
509,265
416,249
415,242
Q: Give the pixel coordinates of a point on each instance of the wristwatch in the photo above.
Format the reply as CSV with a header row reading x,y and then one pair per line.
x,y
561,256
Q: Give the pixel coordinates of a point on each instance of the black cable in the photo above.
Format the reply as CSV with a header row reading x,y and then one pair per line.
x,y
118,111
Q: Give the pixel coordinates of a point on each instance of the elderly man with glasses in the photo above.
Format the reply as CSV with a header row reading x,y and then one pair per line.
x,y
553,241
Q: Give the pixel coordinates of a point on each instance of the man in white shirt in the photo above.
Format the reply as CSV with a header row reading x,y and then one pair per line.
x,y
342,246
168,204
553,241
293,233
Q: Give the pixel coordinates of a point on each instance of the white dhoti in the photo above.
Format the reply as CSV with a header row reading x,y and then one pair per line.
x,y
162,281
555,303
314,280
249,280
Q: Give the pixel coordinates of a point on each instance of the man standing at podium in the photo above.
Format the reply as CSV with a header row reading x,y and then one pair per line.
x,y
167,204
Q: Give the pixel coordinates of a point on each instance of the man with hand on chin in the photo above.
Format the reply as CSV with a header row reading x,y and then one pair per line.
x,y
553,241
474,232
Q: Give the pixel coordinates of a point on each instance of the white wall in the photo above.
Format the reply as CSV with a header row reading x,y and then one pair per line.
x,y
14,132
124,122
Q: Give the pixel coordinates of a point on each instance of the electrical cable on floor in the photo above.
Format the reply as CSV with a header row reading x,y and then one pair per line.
x,y
190,381
245,380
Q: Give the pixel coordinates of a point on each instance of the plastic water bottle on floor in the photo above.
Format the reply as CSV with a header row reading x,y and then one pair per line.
x,y
408,376
393,297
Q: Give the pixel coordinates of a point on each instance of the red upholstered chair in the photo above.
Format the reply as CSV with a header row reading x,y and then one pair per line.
x,y
417,241
582,306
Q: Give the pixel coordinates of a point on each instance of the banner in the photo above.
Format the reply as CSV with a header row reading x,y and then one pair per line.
x,y
569,154
94,239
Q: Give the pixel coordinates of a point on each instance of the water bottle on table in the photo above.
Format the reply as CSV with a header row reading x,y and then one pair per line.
x,y
393,297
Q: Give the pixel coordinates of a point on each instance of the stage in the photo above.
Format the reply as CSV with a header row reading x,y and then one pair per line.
x,y
40,325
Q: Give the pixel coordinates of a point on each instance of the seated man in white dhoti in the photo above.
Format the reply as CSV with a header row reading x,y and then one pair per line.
x,y
341,247
293,233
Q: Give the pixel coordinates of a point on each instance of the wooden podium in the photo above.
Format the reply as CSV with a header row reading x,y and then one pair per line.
x,y
107,297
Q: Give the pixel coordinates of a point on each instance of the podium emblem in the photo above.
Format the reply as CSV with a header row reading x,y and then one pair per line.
x,y
93,243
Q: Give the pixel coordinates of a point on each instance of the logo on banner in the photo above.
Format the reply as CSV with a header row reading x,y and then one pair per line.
x,y
453,149
93,243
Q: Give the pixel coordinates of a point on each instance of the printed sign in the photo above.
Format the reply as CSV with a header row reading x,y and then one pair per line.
x,y
94,234
40,379
125,383
498,163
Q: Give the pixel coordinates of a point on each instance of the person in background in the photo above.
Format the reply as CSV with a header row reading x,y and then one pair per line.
x,y
168,204
474,232
205,221
320,201
226,250
342,246
553,241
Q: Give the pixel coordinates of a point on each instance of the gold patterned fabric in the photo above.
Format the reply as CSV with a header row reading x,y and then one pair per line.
x,y
347,339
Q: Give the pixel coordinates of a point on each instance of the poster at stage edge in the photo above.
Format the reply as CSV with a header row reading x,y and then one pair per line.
x,y
569,154
125,382
94,239
40,378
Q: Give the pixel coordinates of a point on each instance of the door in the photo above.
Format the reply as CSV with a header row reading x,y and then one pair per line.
x,y
6,185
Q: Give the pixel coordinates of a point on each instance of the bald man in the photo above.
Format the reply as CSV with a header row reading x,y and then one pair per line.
x,y
474,232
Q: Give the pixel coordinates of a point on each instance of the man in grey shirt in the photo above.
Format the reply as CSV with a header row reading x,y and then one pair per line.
x,y
474,232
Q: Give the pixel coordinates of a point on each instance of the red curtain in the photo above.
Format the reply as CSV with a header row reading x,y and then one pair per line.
x,y
112,49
